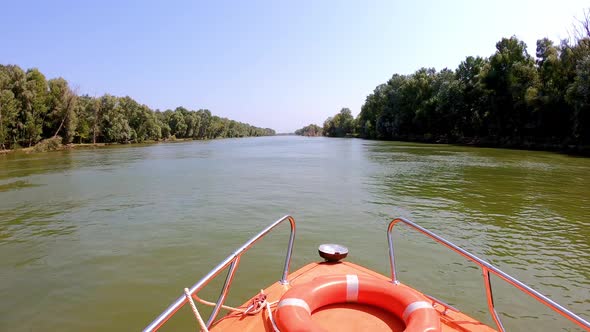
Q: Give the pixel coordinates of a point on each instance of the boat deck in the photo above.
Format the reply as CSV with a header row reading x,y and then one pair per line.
x,y
345,316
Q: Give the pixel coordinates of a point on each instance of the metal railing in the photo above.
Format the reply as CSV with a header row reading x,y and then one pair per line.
x,y
232,261
486,269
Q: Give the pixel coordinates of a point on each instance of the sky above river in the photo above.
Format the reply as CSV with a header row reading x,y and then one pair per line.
x,y
273,64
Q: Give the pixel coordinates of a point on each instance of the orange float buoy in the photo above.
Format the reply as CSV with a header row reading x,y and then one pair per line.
x,y
293,313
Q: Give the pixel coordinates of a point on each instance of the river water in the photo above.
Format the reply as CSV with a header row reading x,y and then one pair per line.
x,y
105,239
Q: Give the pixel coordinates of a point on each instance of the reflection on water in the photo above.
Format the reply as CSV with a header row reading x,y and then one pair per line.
x,y
16,185
106,238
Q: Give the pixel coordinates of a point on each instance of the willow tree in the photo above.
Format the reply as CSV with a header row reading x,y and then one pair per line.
x,y
578,95
512,77
34,105
474,110
62,117
8,111
340,125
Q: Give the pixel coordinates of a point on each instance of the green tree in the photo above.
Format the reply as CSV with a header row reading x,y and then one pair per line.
x,y
8,110
340,125
205,120
474,109
62,104
116,127
149,128
34,105
132,112
552,114
84,114
310,130
96,109
161,121
578,95
395,116
177,124
192,120
513,80
114,124
444,107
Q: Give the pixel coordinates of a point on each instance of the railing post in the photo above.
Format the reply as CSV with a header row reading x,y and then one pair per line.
x,y
228,280
287,265
391,251
490,298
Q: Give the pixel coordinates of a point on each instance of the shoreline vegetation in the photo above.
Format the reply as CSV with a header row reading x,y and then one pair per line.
x,y
57,145
510,99
37,114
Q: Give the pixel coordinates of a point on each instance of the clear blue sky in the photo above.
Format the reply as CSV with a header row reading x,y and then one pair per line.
x,y
279,65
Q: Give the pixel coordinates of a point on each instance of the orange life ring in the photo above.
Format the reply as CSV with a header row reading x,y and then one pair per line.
x,y
294,310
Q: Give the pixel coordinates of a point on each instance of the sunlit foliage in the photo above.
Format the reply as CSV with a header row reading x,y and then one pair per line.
x,y
32,109
509,98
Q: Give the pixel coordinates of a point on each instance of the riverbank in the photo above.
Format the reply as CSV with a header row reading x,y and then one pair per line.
x,y
60,148
500,143
36,148
486,142
71,146
570,149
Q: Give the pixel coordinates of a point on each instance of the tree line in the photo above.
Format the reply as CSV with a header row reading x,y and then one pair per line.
x,y
33,108
507,99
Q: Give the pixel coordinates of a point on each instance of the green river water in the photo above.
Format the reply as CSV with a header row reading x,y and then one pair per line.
x,y
104,239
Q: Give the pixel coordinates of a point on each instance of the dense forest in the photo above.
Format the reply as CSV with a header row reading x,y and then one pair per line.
x,y
508,99
33,108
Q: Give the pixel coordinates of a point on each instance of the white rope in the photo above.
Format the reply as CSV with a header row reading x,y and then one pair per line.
x,y
247,311
272,321
212,304
195,311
